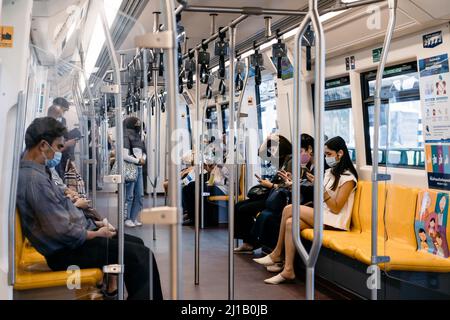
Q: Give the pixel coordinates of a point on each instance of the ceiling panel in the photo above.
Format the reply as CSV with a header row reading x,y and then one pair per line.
x,y
438,9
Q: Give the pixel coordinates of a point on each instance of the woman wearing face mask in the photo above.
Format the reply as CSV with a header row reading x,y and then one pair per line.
x,y
339,191
134,152
278,150
267,222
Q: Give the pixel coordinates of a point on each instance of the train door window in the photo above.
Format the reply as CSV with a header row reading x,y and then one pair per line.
x,y
265,95
188,125
338,112
401,140
266,98
225,118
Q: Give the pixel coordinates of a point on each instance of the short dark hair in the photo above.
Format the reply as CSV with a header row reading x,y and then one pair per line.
x,y
421,230
45,128
306,141
60,101
52,111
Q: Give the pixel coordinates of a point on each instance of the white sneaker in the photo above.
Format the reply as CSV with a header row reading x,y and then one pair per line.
x,y
137,223
129,223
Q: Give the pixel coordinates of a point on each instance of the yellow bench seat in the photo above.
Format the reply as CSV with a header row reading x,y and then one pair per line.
x,y
396,238
32,271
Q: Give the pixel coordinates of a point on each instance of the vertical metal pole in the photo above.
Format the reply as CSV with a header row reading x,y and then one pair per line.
x,y
238,136
376,126
231,164
18,146
202,163
119,148
171,77
213,22
198,171
93,160
311,258
157,159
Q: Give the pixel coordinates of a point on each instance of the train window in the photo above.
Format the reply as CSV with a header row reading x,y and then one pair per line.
x,y
338,112
267,116
225,118
401,140
188,125
267,122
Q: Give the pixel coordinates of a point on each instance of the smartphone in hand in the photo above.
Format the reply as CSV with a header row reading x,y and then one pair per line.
x,y
258,177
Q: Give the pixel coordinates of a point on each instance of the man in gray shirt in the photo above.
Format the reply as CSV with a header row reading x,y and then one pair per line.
x,y
59,231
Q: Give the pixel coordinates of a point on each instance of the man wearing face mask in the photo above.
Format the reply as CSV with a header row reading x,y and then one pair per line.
x,y
61,232
56,111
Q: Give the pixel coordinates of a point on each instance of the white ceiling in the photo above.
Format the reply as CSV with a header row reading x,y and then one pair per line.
x,y
197,25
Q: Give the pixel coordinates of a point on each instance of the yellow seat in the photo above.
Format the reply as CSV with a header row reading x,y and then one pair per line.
x,y
32,271
396,238
241,196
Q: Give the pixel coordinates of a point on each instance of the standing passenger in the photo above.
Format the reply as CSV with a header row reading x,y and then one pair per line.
x,y
134,152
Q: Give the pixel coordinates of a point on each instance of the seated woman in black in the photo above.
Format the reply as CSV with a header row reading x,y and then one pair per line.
x,y
278,150
267,224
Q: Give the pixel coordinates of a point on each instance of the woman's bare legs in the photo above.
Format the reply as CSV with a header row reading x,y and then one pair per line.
x,y
277,253
307,219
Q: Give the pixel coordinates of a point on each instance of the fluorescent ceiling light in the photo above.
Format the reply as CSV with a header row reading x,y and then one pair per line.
x,y
247,54
268,44
98,36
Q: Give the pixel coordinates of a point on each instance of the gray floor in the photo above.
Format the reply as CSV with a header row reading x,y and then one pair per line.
x,y
213,262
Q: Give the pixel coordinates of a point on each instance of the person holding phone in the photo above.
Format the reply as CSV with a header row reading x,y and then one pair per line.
x,y
278,150
338,196
267,223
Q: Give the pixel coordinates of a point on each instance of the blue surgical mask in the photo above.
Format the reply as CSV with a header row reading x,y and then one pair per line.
x,y
55,161
51,163
331,161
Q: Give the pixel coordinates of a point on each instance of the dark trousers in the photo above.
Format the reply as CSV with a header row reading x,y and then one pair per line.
x,y
98,252
188,198
245,212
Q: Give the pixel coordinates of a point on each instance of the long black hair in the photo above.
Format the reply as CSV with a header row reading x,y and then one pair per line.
x,y
344,164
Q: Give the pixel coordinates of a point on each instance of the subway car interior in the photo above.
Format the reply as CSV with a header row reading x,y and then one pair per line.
x,y
224,150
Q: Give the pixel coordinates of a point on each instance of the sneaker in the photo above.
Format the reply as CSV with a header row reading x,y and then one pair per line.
x,y
137,223
129,223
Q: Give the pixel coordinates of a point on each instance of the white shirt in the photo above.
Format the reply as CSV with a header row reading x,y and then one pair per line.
x,y
342,219
138,154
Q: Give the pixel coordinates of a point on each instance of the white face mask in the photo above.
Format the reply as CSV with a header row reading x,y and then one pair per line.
x,y
331,161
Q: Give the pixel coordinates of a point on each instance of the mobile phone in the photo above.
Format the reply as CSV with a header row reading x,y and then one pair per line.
x,y
257,177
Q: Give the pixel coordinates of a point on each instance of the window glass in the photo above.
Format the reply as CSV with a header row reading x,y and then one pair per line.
x,y
338,112
400,133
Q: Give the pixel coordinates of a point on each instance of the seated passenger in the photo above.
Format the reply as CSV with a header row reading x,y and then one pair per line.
x,y
340,185
279,149
267,224
59,231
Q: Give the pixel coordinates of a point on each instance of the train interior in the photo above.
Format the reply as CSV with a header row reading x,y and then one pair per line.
x,y
192,85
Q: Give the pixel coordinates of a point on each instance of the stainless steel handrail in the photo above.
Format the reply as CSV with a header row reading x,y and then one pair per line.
x,y
238,132
174,196
231,164
377,106
17,151
198,170
309,258
119,147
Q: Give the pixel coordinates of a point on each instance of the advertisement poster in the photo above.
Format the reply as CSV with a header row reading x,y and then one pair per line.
x,y
431,223
434,94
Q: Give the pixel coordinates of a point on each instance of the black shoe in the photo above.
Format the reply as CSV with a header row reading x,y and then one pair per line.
x,y
146,194
188,222
110,295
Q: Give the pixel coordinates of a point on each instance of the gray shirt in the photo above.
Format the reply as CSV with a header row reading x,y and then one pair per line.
x,y
49,220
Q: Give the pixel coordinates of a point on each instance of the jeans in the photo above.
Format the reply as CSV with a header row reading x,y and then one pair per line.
x,y
134,192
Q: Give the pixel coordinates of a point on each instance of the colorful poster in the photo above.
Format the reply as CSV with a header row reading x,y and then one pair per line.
x,y
434,95
431,223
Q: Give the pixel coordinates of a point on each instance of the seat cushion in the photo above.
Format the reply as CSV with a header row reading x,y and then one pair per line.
x,y
406,258
35,280
31,260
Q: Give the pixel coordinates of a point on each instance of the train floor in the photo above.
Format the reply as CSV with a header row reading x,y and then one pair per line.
x,y
249,276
